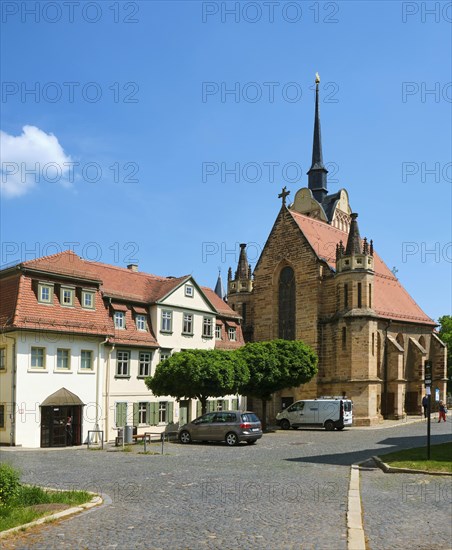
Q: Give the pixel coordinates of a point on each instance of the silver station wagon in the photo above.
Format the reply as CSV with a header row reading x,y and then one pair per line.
x,y
228,426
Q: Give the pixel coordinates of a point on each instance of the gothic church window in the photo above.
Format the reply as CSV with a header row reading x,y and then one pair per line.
x,y
286,305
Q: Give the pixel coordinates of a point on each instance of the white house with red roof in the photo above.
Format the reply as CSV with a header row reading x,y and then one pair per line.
x,y
78,338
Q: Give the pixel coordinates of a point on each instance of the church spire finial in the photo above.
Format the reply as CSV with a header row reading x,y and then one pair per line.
x,y
317,180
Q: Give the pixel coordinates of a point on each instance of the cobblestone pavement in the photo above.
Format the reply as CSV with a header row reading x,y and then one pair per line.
x,y
406,510
288,491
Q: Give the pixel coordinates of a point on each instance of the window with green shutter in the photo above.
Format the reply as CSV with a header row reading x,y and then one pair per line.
x,y
153,414
235,404
135,414
170,412
121,414
211,406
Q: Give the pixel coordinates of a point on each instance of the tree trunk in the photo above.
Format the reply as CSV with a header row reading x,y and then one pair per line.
x,y
264,414
203,404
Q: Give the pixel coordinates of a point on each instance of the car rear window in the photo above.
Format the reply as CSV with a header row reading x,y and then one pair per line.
x,y
250,417
347,406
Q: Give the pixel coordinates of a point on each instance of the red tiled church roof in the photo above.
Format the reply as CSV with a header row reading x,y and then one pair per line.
x,y
391,300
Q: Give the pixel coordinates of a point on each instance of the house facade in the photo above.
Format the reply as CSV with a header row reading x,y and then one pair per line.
x,y
79,338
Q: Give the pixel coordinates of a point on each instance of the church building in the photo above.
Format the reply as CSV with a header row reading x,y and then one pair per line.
x,y
318,281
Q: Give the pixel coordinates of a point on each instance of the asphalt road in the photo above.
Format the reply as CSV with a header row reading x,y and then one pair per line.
x,y
287,491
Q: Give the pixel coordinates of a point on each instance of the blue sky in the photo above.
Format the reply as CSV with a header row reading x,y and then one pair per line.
x,y
132,92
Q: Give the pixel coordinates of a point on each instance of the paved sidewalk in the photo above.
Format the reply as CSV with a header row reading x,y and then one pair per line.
x,y
406,511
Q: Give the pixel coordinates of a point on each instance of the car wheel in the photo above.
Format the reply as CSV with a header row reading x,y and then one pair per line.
x,y
285,424
251,441
185,437
231,439
329,425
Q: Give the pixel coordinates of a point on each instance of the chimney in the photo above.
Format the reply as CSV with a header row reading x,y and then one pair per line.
x,y
133,267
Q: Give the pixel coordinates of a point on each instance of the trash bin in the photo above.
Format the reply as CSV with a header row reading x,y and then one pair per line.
x,y
128,434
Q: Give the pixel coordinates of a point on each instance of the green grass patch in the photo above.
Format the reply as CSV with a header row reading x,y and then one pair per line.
x,y
416,459
33,502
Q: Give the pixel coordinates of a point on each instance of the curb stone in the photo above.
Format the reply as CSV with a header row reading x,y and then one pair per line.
x,y
391,470
355,532
95,501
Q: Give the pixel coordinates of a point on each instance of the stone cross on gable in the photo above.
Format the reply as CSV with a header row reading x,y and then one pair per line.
x,y
283,195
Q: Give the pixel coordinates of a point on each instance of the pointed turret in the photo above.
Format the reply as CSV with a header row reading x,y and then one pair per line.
x,y
240,290
354,240
317,175
357,254
243,266
219,289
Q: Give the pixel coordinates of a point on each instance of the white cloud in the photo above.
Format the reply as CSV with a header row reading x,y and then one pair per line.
x,y
29,159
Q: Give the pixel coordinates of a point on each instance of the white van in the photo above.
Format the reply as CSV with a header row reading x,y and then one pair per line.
x,y
329,412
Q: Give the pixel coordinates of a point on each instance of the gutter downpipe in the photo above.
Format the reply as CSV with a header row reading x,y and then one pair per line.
x,y
98,385
12,433
107,392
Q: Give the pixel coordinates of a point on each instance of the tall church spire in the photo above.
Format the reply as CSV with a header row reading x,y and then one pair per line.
x,y
317,173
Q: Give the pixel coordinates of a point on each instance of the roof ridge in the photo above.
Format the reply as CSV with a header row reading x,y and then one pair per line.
x,y
94,263
63,252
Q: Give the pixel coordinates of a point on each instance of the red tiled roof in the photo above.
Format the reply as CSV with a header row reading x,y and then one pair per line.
x,y
37,316
391,300
220,305
130,291
9,288
117,282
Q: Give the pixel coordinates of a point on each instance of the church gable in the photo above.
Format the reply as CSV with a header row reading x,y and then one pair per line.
x,y
286,251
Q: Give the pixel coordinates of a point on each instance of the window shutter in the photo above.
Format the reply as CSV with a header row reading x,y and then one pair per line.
x,y
210,406
198,409
225,404
121,411
148,413
170,410
154,412
235,404
135,414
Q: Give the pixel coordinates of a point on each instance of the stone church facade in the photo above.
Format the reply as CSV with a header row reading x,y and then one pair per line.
x,y
318,281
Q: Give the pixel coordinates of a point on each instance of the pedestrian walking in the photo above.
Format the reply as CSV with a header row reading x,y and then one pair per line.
x,y
442,411
69,430
425,405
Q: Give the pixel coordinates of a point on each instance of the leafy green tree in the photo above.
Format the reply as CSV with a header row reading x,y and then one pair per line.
x,y
276,365
199,374
445,333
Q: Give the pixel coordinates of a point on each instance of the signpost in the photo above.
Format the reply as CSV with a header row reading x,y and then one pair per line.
x,y
428,391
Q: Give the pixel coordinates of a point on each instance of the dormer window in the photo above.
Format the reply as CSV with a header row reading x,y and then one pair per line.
x,y
67,296
140,322
189,291
45,293
120,319
87,299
